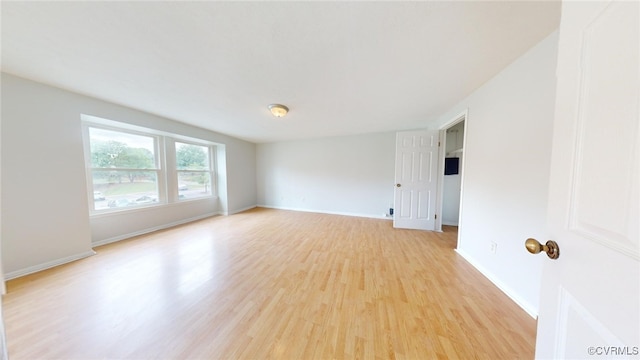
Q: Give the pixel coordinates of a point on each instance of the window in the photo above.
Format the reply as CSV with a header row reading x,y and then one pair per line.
x,y
193,168
131,167
124,168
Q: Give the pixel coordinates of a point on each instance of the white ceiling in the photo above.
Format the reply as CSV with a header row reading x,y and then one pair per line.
x,y
341,67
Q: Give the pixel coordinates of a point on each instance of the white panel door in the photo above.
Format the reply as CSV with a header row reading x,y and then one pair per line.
x,y
3,343
415,191
590,297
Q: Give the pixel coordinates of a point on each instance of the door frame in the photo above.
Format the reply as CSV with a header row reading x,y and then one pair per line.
x,y
460,117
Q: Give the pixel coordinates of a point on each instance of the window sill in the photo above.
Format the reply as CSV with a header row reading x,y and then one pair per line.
x,y
150,207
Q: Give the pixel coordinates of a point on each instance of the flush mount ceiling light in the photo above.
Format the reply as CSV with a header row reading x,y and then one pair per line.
x,y
278,110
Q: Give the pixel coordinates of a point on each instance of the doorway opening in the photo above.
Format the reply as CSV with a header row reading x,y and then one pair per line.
x,y
452,139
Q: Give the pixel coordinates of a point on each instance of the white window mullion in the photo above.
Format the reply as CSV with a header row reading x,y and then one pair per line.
x,y
162,170
172,181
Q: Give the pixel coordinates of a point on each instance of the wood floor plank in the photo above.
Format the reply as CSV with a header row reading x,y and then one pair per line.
x,y
268,284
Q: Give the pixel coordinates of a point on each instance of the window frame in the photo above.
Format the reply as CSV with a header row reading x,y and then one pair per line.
x,y
211,171
165,164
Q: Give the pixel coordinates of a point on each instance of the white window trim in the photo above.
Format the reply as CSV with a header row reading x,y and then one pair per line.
x,y
173,171
166,167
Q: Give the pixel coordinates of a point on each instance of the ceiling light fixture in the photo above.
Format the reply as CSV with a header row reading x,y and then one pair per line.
x,y
278,110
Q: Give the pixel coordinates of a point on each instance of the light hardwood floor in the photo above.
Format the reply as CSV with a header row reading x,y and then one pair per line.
x,y
268,284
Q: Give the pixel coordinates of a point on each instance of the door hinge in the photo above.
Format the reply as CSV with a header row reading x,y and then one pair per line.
x,y
435,217
438,143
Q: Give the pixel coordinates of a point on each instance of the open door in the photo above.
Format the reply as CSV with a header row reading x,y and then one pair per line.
x,y
590,297
416,180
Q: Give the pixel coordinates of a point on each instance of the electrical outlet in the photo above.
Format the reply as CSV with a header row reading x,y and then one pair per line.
x,y
494,247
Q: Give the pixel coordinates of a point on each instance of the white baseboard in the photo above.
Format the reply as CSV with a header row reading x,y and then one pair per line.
x,y
240,210
47,265
149,230
328,212
449,223
525,305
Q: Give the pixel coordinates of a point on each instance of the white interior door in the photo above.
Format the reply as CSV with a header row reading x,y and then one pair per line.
x,y
590,298
3,343
416,180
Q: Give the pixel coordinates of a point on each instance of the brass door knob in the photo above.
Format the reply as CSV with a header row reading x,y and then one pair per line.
x,y
551,248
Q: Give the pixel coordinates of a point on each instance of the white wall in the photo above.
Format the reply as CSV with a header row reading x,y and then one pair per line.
x,y
346,175
506,171
451,199
241,176
45,217
44,201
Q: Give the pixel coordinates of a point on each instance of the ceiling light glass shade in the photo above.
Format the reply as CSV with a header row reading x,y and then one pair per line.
x,y
278,110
